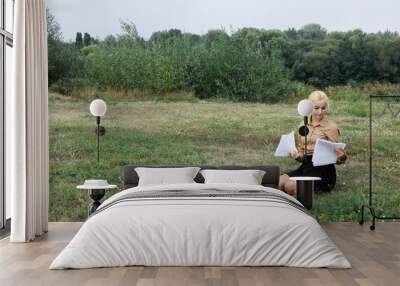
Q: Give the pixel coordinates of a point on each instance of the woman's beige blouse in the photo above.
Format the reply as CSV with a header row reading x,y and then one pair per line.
x,y
324,129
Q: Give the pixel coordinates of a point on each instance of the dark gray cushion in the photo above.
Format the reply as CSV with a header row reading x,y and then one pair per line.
x,y
270,179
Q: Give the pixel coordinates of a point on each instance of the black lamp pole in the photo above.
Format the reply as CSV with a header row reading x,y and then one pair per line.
x,y
100,131
305,136
98,137
303,131
305,188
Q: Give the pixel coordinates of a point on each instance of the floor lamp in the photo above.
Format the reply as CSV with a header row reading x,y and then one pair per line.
x,y
98,108
305,108
305,185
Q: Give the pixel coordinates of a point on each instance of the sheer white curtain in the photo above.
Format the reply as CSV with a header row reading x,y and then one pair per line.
x,y
27,124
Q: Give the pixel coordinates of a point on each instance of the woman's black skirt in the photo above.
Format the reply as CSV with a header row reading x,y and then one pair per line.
x,y
327,174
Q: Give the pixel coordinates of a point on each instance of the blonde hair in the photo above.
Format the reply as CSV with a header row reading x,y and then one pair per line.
x,y
319,95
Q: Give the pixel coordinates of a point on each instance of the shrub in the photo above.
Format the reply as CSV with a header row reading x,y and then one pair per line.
x,y
232,69
357,108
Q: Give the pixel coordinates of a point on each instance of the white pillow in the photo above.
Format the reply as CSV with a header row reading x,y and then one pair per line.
x,y
248,177
165,176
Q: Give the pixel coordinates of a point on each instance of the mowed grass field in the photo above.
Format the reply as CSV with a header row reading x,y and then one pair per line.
x,y
190,131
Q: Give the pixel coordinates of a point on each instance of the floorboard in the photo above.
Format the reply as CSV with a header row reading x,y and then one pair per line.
x,y
375,257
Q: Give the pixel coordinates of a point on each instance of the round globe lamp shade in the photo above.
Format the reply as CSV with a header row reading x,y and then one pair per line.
x,y
98,107
305,107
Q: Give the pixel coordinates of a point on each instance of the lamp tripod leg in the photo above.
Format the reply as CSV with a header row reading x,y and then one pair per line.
x,y
361,216
372,210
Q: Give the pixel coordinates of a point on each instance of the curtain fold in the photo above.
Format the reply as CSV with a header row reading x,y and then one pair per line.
x,y
27,124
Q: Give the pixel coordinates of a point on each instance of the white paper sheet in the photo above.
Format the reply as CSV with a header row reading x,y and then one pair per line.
x,y
286,145
324,152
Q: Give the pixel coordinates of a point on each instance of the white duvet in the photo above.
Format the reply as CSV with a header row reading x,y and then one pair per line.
x,y
200,231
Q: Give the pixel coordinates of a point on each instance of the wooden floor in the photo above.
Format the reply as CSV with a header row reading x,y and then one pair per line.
x,y
375,257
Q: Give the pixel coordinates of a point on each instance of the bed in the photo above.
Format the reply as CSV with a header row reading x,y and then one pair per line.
x,y
201,224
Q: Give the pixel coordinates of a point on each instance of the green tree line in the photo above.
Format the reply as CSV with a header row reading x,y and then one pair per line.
x,y
248,64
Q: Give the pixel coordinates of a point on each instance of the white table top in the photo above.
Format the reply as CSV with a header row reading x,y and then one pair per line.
x,y
305,178
86,187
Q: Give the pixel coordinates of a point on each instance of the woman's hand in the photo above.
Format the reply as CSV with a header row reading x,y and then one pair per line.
x,y
341,156
340,152
296,155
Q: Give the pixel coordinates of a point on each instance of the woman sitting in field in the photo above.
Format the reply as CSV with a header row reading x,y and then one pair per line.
x,y
319,127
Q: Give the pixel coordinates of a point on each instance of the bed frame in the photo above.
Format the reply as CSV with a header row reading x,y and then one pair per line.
x,y
270,179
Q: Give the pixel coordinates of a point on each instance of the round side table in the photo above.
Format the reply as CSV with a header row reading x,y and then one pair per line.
x,y
305,190
96,193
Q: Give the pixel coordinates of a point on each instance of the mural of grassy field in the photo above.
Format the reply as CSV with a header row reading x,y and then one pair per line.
x,y
184,130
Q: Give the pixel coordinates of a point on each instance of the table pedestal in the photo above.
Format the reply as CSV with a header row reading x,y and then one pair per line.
x,y
96,195
305,193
